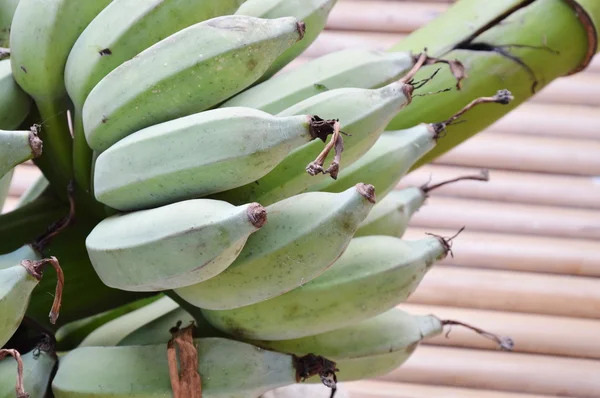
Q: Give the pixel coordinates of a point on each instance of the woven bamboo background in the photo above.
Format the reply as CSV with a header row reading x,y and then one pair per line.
x,y
529,261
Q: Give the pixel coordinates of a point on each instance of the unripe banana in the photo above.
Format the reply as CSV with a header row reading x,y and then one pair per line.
x,y
4,187
313,13
171,246
14,102
38,366
283,254
16,285
358,68
120,32
391,215
374,274
38,58
17,147
363,114
228,368
167,80
111,333
200,154
34,191
7,10
367,349
26,252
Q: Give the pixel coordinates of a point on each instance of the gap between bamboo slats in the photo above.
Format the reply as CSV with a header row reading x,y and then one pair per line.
x,y
383,389
527,153
504,371
511,291
474,249
511,218
531,333
511,186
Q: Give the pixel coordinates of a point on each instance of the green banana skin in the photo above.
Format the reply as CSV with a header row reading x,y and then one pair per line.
x,y
4,187
199,154
34,191
111,333
38,366
7,10
358,68
17,147
313,13
374,274
282,256
171,246
386,162
14,102
229,369
167,80
16,285
392,214
26,252
363,113
72,334
120,32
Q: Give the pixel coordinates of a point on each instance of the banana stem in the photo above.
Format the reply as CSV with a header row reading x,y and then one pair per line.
x,y
56,160
36,269
185,379
57,227
484,175
505,342
20,390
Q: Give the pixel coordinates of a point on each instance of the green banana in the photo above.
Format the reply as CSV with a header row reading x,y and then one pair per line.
x,y
228,368
16,285
26,252
167,80
7,10
111,333
4,188
38,58
358,68
363,114
171,246
313,13
374,274
200,154
38,366
14,102
120,32
17,147
73,333
396,152
367,349
392,214
282,255
34,191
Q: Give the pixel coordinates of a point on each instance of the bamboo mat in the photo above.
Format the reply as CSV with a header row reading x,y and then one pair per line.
x,y
528,263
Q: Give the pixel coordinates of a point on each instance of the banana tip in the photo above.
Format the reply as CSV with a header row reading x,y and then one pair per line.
x,y
301,29
366,190
257,214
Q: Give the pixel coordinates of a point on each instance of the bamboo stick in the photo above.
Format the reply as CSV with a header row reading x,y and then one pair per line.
x,y
452,213
536,334
511,151
383,389
383,16
504,371
519,253
559,295
511,186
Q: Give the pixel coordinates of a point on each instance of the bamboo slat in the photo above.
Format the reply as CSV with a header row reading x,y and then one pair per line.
x,y
514,152
558,295
383,16
476,249
511,186
504,371
536,334
335,40
453,213
383,389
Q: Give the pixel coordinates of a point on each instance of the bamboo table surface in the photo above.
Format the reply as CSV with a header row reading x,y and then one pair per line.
x,y
528,263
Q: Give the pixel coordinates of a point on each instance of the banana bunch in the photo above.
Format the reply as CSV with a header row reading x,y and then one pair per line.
x,y
245,263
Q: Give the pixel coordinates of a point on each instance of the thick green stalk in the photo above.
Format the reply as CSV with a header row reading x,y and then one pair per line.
x,y
532,46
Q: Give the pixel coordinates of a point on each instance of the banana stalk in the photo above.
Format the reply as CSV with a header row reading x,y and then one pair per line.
x,y
503,46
